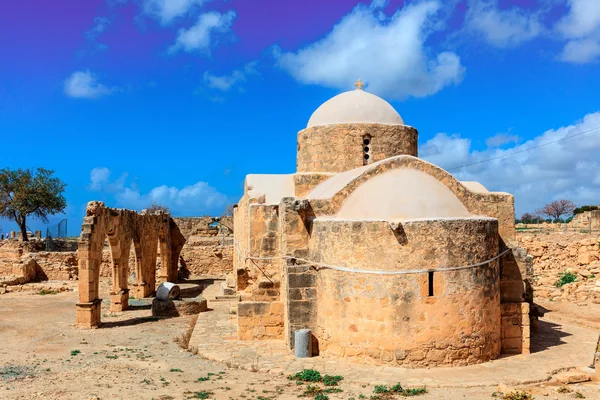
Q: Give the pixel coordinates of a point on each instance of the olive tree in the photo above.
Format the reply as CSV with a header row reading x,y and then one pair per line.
x,y
24,193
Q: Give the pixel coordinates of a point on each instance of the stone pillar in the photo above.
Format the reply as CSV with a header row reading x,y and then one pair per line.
x,y
13,234
38,234
88,308
299,282
91,242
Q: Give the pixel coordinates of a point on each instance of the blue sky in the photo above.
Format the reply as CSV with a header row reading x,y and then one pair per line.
x,y
177,100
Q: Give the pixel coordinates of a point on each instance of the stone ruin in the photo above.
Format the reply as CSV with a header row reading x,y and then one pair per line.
x,y
123,228
384,257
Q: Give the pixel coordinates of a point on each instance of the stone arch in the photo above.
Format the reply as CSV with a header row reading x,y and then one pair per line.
x,y
495,205
121,227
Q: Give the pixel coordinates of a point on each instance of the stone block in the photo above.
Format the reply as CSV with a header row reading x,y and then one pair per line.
x,y
176,308
301,280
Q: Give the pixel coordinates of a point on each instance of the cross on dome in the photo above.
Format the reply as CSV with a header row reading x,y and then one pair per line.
x,y
359,85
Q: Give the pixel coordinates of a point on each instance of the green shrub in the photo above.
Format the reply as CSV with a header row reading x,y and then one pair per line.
x,y
321,396
380,389
517,395
564,278
306,375
201,395
332,380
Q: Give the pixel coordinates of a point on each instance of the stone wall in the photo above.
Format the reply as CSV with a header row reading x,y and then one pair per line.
x,y
208,250
260,320
515,328
416,319
339,148
555,254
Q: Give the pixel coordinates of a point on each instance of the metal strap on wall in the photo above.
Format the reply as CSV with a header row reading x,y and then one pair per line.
x,y
369,271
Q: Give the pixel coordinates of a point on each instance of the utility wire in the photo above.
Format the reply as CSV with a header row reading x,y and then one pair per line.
x,y
525,150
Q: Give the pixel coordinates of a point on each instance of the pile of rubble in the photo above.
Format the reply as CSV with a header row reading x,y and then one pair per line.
x,y
575,254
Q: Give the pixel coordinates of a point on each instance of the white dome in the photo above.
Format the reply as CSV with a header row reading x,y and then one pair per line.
x,y
355,106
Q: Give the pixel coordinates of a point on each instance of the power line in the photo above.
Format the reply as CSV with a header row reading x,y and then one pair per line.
x,y
524,150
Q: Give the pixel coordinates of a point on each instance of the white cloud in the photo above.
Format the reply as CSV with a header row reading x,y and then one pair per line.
x,y
582,20
197,199
100,25
502,28
199,38
226,82
502,139
84,85
581,51
388,53
167,10
581,27
565,169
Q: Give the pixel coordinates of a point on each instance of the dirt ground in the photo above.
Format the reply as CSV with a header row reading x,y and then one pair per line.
x,y
133,356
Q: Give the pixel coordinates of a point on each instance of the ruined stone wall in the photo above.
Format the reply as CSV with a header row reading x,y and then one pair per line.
x,y
208,249
339,148
395,318
48,265
586,220
555,254
123,228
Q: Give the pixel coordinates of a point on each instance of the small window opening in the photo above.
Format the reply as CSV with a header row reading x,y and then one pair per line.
x,y
366,149
430,280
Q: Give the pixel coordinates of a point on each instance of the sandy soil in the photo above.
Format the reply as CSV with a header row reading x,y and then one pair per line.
x,y
133,356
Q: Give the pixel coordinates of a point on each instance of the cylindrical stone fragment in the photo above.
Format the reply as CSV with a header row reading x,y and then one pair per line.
x,y
303,343
167,291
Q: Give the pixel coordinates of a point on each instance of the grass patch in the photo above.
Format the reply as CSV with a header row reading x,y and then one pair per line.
x,y
176,370
13,372
516,395
398,389
565,278
113,357
75,352
201,395
44,292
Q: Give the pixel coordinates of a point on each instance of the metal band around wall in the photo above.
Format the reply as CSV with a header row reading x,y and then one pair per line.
x,y
370,271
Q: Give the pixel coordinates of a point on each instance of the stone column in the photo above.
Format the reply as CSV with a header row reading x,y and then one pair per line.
x,y
91,242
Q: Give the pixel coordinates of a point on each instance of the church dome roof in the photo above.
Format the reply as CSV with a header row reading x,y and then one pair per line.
x,y
355,106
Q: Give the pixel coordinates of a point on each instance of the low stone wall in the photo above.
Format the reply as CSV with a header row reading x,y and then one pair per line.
x,y
260,320
558,253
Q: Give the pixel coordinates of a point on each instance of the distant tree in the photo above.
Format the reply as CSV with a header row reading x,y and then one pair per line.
x,y
228,212
24,192
558,208
583,209
154,207
528,218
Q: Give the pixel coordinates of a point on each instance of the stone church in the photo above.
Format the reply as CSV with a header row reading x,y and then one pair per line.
x,y
385,257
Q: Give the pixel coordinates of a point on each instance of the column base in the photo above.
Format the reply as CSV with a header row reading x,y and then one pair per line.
x,y
119,301
141,290
88,314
